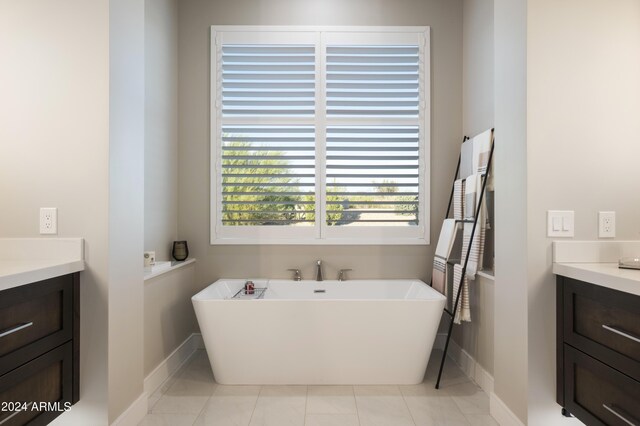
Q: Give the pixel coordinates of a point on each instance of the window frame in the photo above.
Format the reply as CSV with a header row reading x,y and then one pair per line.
x,y
319,233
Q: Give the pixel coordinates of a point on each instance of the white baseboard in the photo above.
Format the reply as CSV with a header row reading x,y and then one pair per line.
x,y
470,367
501,413
172,363
135,413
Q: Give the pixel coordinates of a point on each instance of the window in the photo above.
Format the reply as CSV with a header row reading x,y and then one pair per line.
x,y
319,135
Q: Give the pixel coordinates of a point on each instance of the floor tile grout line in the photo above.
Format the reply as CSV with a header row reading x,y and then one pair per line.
x,y
202,410
255,404
408,409
306,403
355,401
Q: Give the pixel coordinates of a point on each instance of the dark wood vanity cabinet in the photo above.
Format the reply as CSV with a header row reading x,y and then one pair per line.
x,y
598,353
39,350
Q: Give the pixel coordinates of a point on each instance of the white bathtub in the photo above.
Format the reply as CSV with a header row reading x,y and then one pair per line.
x,y
356,332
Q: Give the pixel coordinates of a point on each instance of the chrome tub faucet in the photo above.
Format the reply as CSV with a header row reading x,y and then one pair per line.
x,y
296,274
342,276
319,271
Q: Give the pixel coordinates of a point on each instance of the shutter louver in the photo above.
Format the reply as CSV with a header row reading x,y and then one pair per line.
x,y
268,175
268,80
372,175
373,81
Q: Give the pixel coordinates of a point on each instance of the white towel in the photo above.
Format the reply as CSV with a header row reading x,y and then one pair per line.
x,y
481,149
458,199
439,275
472,188
466,159
463,313
447,237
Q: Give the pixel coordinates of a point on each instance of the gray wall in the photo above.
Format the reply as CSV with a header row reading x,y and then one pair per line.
x,y
168,314
161,127
196,17
476,338
583,104
54,134
510,296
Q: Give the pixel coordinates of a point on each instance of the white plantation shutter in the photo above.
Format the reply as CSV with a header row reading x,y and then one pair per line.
x,y
268,175
380,81
268,80
372,175
319,135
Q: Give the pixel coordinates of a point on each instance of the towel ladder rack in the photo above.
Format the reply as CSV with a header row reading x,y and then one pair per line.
x,y
452,314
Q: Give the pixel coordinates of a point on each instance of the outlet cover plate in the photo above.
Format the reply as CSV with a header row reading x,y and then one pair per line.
x,y
560,223
48,220
606,224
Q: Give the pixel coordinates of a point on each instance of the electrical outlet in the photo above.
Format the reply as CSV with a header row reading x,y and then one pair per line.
x,y
606,224
48,220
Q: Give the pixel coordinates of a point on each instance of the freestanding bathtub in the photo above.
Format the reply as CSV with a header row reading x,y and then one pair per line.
x,y
329,332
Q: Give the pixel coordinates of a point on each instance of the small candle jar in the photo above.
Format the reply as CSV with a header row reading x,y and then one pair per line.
x,y
180,250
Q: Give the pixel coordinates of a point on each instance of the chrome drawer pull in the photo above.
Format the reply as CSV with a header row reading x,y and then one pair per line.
x,y
618,415
16,328
621,333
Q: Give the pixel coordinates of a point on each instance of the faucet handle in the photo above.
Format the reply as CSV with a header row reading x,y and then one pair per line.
x,y
296,274
342,275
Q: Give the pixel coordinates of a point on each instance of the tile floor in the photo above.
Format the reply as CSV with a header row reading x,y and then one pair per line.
x,y
191,397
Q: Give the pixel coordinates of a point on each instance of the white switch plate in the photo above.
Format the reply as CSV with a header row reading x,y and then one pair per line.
x,y
48,220
606,224
560,223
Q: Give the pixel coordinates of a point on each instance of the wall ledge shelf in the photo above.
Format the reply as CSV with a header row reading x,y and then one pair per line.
x,y
163,267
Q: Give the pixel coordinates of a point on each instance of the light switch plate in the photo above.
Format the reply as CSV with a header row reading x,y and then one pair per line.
x,y
560,223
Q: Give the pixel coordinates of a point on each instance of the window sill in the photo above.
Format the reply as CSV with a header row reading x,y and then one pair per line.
x,y
161,268
322,242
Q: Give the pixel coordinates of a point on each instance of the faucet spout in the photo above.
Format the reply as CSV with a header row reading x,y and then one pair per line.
x,y
319,271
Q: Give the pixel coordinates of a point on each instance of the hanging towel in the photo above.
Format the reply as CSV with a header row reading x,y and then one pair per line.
x,y
439,275
481,149
472,188
447,238
466,159
463,313
458,199
476,255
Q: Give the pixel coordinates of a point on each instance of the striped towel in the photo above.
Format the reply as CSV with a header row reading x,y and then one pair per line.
x,y
481,149
477,248
439,275
473,190
463,313
458,199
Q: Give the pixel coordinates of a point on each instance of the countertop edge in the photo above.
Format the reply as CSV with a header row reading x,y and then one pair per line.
x,y
582,272
40,273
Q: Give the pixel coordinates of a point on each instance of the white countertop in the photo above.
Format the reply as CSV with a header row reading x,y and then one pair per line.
x,y
28,260
602,274
596,262
14,273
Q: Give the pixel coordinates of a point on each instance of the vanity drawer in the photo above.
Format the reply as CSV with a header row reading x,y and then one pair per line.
x,y
598,394
603,323
34,318
46,380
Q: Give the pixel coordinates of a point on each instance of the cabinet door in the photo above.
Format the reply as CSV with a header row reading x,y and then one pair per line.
x,y
603,323
597,394
34,318
39,390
